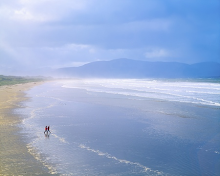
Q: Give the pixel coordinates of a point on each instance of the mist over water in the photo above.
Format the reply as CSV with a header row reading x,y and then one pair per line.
x,y
191,92
125,127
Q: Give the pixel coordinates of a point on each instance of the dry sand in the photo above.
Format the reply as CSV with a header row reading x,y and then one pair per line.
x,y
14,156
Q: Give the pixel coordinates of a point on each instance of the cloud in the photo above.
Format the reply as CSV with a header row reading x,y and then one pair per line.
x,y
41,10
155,53
54,32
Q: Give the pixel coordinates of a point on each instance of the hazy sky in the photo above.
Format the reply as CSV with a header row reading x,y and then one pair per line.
x,y
60,33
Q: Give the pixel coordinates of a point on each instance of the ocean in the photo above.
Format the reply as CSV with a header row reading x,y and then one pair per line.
x,y
124,127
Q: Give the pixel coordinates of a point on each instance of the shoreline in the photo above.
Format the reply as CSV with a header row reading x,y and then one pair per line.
x,y
93,131
14,156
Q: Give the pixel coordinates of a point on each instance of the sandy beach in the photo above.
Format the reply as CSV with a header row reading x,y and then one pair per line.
x,y
14,156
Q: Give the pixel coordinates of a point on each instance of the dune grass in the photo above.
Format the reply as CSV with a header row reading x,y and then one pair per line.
x,y
11,80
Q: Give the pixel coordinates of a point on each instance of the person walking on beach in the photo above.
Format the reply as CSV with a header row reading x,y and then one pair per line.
x,y
46,129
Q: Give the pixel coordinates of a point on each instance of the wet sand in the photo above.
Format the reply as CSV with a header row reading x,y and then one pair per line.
x,y
14,156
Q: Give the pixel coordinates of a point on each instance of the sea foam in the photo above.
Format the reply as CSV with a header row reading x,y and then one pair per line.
x,y
189,92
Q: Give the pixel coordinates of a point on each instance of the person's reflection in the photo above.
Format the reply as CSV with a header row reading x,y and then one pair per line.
x,y
47,135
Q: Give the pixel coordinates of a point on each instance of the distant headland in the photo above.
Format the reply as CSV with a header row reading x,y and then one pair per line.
x,y
127,68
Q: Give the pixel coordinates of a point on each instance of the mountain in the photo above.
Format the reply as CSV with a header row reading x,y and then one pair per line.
x,y
126,68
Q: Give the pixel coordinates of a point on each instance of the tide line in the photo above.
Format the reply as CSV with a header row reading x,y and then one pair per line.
x,y
107,155
60,138
36,154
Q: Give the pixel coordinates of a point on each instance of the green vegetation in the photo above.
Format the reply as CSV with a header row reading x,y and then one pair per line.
x,y
10,80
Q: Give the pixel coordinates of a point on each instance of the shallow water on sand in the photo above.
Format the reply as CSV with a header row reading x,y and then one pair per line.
x,y
105,133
